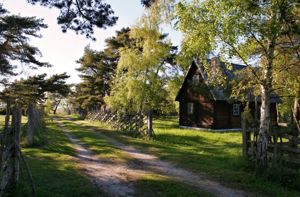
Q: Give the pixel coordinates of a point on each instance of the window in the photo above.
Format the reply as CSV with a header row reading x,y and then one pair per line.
x,y
236,110
196,79
190,108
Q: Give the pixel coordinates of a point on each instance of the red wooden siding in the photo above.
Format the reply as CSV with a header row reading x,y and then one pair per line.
x,y
208,112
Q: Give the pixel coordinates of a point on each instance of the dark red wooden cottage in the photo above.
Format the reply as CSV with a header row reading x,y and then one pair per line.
x,y
204,107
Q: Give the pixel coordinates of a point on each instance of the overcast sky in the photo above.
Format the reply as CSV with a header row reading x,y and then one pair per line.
x,y
63,49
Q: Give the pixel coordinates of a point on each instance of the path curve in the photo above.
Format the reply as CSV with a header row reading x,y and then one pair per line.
x,y
162,167
113,177
118,179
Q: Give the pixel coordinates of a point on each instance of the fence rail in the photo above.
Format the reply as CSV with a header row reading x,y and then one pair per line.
x,y
131,123
282,146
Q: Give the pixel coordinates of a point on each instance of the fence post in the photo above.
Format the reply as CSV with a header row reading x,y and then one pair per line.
x,y
149,128
246,120
244,129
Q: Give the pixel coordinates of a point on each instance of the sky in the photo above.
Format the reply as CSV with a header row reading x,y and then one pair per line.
x,y
63,49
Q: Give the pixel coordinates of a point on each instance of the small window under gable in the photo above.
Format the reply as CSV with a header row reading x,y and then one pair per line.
x,y
190,108
196,79
236,111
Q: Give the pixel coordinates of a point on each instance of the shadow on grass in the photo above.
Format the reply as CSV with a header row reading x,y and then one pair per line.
x,y
165,187
95,143
220,158
193,152
54,171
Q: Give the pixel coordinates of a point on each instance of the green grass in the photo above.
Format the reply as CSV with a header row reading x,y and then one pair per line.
x,y
54,171
148,186
158,185
216,154
2,121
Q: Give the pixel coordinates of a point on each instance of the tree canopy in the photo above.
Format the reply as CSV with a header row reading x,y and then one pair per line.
x,y
83,16
141,79
97,70
258,33
15,32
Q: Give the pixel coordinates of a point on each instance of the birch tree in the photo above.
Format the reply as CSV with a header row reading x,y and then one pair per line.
x,y
250,31
139,84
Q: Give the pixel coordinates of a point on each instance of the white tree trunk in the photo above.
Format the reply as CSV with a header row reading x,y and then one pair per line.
x,y
296,117
265,87
262,144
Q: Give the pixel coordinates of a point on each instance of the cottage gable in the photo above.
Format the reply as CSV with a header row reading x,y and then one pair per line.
x,y
206,106
197,68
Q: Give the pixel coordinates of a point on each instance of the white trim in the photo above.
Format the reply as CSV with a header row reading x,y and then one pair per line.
x,y
236,109
212,130
190,108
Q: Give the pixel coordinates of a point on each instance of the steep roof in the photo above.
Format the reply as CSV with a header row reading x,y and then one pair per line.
x,y
218,93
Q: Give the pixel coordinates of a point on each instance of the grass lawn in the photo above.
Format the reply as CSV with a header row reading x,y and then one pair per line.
x,y
54,171
152,185
216,154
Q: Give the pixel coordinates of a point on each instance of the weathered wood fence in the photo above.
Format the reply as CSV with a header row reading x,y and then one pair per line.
x,y
10,152
131,123
283,146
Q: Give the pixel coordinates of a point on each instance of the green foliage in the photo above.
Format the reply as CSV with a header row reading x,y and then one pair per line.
x,y
263,35
173,87
96,74
97,69
216,154
35,87
53,167
159,185
243,85
285,108
140,82
15,32
83,16
240,29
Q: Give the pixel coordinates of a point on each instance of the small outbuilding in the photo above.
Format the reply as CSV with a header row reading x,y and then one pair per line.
x,y
202,106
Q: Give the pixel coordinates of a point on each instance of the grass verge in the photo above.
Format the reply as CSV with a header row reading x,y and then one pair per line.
x,y
147,186
54,171
216,154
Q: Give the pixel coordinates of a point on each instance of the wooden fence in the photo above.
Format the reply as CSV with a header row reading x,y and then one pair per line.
x,y
282,146
131,123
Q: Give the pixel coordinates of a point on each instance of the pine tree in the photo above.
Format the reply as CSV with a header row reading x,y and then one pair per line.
x,y
15,32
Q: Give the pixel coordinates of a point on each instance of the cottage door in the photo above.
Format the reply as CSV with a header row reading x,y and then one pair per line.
x,y
222,116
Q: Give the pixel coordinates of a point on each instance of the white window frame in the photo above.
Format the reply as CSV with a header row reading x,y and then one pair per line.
x,y
190,108
236,109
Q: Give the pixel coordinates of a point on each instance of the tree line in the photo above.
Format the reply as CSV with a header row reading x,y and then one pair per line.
x,y
140,70
28,95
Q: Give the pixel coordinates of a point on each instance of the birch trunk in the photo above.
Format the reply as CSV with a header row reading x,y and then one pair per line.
x,y
296,117
264,127
262,144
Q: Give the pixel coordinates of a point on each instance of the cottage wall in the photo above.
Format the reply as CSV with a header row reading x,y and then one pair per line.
x,y
207,111
224,116
197,93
